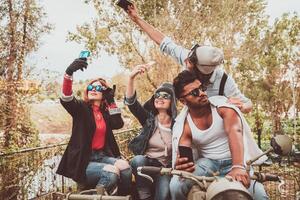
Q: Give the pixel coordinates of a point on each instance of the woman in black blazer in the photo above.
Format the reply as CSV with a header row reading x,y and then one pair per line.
x,y
92,156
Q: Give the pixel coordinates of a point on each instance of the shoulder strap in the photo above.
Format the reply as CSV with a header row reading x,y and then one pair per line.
x,y
222,84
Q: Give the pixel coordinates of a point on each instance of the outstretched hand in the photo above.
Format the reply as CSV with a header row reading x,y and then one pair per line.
x,y
140,69
77,64
132,12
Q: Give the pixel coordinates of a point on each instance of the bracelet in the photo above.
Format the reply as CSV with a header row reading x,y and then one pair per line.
x,y
238,166
67,76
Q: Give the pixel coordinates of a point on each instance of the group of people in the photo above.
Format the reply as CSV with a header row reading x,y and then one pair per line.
x,y
211,123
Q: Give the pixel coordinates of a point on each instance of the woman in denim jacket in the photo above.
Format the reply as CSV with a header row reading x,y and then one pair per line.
x,y
153,146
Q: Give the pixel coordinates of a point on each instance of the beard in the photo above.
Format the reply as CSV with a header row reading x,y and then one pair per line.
x,y
202,102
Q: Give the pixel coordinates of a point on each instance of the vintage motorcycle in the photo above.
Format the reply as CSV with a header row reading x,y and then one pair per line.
x,y
206,188
219,188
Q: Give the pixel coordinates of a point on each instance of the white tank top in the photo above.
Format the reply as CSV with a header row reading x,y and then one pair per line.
x,y
211,143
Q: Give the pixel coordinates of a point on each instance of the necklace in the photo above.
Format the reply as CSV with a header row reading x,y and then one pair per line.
x,y
98,116
165,143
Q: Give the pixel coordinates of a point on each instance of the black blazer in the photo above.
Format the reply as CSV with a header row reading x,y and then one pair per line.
x,y
77,154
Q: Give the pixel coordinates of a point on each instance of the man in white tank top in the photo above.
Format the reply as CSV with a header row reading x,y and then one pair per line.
x,y
216,133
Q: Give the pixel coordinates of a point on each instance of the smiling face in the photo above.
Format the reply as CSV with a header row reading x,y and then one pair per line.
x,y
162,100
193,95
94,91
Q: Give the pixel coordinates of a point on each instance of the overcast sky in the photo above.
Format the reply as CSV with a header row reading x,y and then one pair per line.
x,y
56,54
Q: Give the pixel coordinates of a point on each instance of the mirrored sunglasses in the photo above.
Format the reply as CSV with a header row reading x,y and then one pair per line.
x,y
163,95
98,88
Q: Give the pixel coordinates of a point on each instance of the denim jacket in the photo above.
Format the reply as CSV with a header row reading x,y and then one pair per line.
x,y
147,119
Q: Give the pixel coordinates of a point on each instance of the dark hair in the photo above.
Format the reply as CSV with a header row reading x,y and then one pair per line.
x,y
149,105
182,79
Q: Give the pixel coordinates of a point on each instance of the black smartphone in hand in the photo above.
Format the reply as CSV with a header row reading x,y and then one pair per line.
x,y
124,4
187,152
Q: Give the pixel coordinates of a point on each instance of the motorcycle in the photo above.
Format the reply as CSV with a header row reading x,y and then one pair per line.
x,y
206,188
217,188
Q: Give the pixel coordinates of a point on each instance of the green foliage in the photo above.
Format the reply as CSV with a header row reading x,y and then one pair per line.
x,y
21,25
272,73
260,57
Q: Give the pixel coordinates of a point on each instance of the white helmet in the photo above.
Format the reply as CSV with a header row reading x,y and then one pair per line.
x,y
224,188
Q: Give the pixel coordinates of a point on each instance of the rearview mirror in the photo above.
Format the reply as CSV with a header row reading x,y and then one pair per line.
x,y
281,144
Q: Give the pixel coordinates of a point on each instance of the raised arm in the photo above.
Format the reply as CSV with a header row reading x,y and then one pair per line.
x,y
67,99
130,97
139,69
233,128
153,33
166,44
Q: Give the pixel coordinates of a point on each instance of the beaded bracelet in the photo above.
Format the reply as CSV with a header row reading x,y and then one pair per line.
x,y
238,166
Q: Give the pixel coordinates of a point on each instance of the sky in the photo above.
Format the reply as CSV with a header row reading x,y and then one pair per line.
x,y
55,53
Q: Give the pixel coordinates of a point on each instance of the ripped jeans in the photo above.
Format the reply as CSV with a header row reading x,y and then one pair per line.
x,y
206,167
159,190
108,172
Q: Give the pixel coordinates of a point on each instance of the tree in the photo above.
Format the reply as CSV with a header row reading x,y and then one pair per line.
x,y
272,70
256,55
222,23
21,26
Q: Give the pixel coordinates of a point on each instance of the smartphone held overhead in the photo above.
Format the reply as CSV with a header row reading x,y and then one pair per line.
x,y
124,4
84,54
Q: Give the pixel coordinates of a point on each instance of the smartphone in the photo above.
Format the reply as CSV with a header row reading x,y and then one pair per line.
x,y
124,4
187,152
84,54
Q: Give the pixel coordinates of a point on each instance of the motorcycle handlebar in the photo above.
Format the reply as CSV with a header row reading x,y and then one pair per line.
x,y
263,177
150,170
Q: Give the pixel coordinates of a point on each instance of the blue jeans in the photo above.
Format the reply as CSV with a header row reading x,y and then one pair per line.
x,y
101,170
144,187
206,167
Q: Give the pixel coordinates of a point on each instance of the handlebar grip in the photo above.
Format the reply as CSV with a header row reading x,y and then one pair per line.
x,y
149,170
272,177
261,177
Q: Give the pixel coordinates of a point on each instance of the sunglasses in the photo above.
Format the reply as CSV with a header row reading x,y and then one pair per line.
x,y
195,92
163,95
192,54
98,88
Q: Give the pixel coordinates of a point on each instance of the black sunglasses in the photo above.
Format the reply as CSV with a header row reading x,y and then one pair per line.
x,y
163,95
195,92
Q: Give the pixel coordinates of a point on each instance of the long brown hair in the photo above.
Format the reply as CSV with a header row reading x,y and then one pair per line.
x,y
103,104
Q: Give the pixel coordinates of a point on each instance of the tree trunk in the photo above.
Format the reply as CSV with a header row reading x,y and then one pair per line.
x,y
277,128
23,44
10,92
